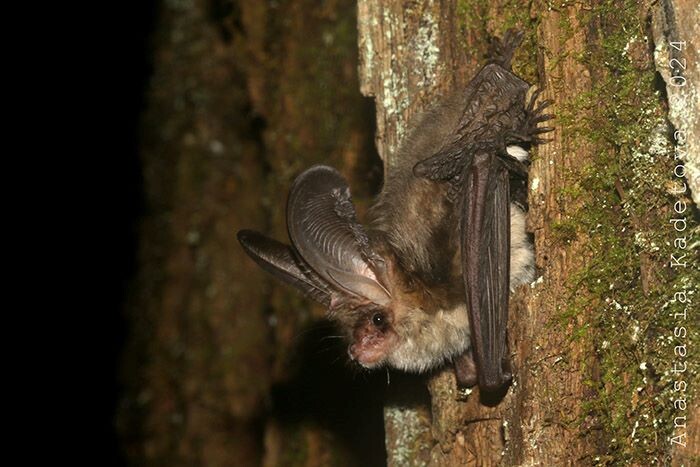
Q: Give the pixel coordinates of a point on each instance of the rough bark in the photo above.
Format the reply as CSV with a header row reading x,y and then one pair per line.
x,y
584,392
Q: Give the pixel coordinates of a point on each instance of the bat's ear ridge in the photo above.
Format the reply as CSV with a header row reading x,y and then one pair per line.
x,y
282,262
324,230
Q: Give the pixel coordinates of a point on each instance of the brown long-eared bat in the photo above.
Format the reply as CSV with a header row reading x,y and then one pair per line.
x,y
428,281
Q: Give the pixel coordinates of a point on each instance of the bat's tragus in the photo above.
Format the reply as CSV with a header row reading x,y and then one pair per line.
x,y
428,281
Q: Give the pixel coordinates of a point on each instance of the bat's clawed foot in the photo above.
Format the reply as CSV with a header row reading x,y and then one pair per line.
x,y
465,370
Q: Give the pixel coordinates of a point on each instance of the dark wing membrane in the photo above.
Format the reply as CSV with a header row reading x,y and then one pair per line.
x,y
279,260
485,234
494,106
323,228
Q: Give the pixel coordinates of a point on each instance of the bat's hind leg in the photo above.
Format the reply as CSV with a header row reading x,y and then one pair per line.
x,y
465,370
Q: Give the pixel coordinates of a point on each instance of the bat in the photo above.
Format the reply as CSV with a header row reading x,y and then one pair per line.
x,y
427,282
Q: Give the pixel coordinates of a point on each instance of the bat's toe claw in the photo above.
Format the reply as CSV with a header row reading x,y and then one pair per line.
x,y
542,118
543,105
544,129
533,100
539,141
535,116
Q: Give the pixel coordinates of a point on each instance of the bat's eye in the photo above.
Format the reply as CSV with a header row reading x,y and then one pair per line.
x,y
378,319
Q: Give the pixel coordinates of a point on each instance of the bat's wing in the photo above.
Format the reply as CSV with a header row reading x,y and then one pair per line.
x,y
281,261
485,247
476,164
493,116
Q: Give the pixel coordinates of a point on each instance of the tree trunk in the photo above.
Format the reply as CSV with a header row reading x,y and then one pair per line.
x,y
590,347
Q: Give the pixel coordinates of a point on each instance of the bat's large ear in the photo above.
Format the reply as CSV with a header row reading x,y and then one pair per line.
x,y
323,228
280,260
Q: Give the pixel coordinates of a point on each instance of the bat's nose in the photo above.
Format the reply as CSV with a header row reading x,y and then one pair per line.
x,y
368,353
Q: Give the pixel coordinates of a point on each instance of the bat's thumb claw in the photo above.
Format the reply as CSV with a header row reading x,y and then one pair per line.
x,y
502,50
420,170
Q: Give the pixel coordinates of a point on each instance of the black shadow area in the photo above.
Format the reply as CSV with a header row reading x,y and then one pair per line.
x,y
329,390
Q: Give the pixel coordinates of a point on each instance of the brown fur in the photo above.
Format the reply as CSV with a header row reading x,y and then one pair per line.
x,y
413,224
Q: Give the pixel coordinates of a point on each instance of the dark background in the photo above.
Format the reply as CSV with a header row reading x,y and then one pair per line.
x,y
127,68
288,68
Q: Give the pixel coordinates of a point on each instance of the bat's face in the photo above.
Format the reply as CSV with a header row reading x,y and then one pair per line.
x,y
373,338
414,331
369,327
332,260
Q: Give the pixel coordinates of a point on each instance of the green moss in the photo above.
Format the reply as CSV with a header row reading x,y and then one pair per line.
x,y
620,205
565,231
623,209
472,15
477,17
